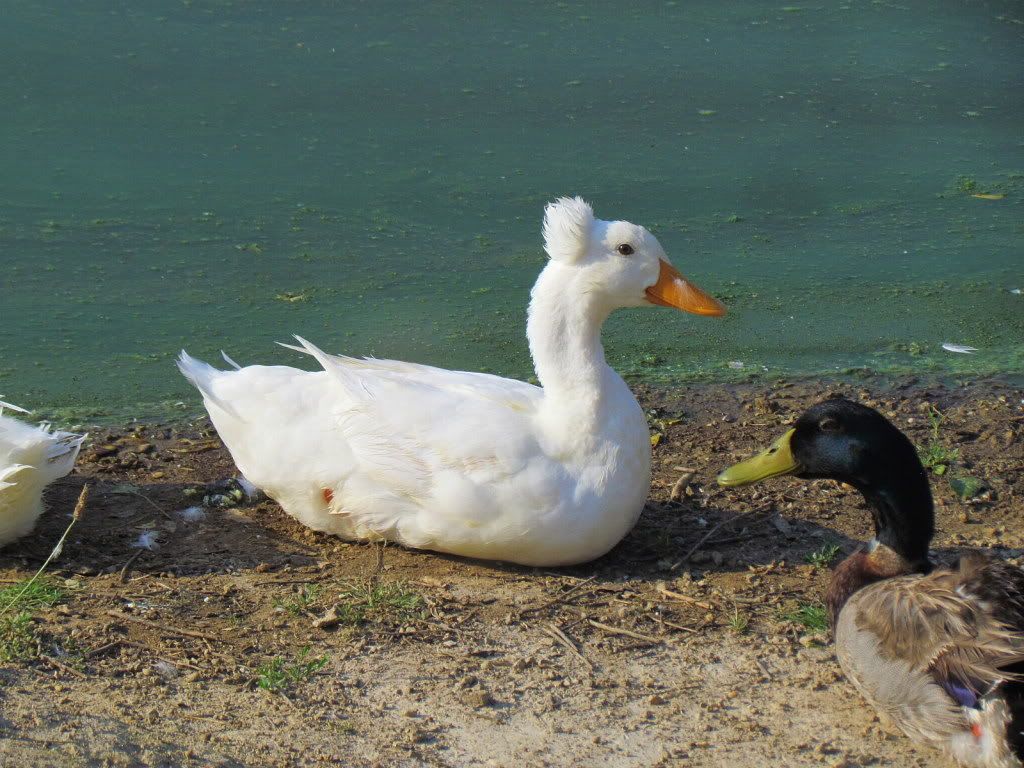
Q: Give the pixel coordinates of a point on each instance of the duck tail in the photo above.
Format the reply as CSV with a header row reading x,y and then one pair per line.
x,y
227,360
338,367
12,407
50,452
7,475
62,452
311,349
202,375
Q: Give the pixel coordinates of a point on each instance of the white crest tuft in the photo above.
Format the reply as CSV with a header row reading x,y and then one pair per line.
x,y
567,225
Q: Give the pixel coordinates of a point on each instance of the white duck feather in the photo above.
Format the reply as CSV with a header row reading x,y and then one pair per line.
x,y
469,463
31,457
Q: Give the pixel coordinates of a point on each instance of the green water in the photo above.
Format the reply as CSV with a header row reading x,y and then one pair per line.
x,y
172,172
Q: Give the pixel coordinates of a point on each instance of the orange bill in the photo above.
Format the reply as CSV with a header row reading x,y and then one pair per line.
x,y
674,290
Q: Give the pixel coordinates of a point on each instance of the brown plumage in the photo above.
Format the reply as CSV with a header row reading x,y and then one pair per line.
x,y
913,644
939,653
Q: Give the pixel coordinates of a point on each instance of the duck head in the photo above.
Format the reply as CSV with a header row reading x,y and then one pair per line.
x,y
620,264
845,441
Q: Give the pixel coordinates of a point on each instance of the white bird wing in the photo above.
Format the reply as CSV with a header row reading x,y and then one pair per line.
x,y
486,386
426,438
30,458
50,452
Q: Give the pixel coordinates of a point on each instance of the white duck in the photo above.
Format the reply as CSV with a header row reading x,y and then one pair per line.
x,y
30,459
469,463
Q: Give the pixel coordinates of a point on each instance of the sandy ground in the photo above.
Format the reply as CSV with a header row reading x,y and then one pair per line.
x,y
674,649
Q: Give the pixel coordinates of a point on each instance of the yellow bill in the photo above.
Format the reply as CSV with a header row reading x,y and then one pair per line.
x,y
776,460
674,290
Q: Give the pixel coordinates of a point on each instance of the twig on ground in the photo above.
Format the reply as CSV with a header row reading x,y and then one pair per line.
x,y
562,597
680,485
161,627
160,584
747,516
556,633
734,539
126,568
683,598
711,532
672,624
434,623
627,632
379,568
104,648
132,492
562,576
62,666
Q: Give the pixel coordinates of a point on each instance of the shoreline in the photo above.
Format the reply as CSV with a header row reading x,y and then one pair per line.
x,y
182,412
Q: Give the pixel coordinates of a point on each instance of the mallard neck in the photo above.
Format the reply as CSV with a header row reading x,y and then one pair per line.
x,y
901,507
564,331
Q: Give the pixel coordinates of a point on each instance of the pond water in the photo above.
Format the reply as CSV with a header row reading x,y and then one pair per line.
x,y
219,175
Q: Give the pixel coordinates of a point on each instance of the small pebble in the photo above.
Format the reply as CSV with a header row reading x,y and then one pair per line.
x,y
479,699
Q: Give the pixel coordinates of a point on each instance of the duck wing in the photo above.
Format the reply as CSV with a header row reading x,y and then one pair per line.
x,y
30,458
430,458
50,452
486,386
409,425
926,650
999,584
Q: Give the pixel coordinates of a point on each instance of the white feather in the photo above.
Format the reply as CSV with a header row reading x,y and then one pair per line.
x,y
961,349
146,540
250,490
192,514
461,462
31,457
567,226
11,407
990,748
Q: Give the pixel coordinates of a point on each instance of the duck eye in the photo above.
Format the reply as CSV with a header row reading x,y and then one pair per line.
x,y
625,249
829,424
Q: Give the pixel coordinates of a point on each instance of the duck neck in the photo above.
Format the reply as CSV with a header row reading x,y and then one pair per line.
x,y
901,506
902,510
564,331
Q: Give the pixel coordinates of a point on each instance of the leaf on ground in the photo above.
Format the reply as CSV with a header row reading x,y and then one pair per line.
x,y
967,487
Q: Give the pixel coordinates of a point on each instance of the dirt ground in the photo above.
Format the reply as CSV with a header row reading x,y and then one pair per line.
x,y
680,647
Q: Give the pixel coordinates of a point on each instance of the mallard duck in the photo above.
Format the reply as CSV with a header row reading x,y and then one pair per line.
x,y
31,457
469,463
938,651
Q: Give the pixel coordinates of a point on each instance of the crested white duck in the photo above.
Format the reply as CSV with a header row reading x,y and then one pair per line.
x,y
31,457
938,651
470,463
